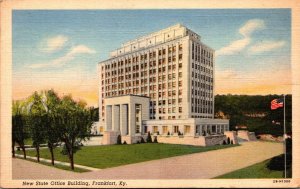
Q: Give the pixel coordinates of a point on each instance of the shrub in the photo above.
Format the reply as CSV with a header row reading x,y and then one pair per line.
x,y
149,139
179,133
119,140
124,142
155,139
231,142
142,140
157,132
276,163
168,133
138,142
228,140
224,142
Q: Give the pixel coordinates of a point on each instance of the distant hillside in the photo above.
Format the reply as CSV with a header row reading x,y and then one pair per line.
x,y
253,112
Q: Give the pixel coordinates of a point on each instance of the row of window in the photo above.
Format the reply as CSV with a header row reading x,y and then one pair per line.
x,y
202,109
202,68
136,68
175,129
135,58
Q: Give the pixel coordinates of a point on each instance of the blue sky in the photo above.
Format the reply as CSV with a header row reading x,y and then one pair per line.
x,y
60,49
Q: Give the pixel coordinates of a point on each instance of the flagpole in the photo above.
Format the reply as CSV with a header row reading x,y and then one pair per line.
x,y
284,136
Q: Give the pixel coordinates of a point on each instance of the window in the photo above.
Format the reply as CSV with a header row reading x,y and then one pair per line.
x,y
155,129
180,47
180,57
179,83
180,74
187,129
165,129
180,109
197,129
175,129
180,92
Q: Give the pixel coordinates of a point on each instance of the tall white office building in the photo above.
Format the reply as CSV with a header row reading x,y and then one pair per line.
x,y
170,69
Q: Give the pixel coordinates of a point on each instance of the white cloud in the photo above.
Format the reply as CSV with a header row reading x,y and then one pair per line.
x,y
234,47
266,46
251,25
238,45
79,49
54,43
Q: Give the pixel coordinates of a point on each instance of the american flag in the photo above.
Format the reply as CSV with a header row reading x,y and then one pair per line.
x,y
276,103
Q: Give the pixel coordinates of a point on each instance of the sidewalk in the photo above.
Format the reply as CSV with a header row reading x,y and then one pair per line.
x,y
60,163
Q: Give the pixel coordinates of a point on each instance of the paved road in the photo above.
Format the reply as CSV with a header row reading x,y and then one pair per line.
x,y
193,166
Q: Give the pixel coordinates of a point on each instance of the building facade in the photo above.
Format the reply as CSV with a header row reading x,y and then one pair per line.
x,y
171,67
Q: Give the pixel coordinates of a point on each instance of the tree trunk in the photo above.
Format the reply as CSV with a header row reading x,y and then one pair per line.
x,y
38,153
13,149
70,153
72,160
24,151
52,153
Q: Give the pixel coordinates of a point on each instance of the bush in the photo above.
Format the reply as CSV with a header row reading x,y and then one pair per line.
x,y
276,163
142,140
124,142
224,142
179,133
168,133
231,142
149,139
228,140
138,142
155,139
157,132
119,140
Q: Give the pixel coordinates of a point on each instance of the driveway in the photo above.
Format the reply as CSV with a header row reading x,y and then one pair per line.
x,y
193,166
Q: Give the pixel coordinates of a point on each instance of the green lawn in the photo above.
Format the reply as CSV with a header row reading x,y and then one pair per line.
x,y
258,170
28,141
116,155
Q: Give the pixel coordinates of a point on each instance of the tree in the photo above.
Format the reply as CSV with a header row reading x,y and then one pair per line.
x,y
51,102
119,140
37,119
155,139
19,129
228,140
74,124
149,139
94,113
